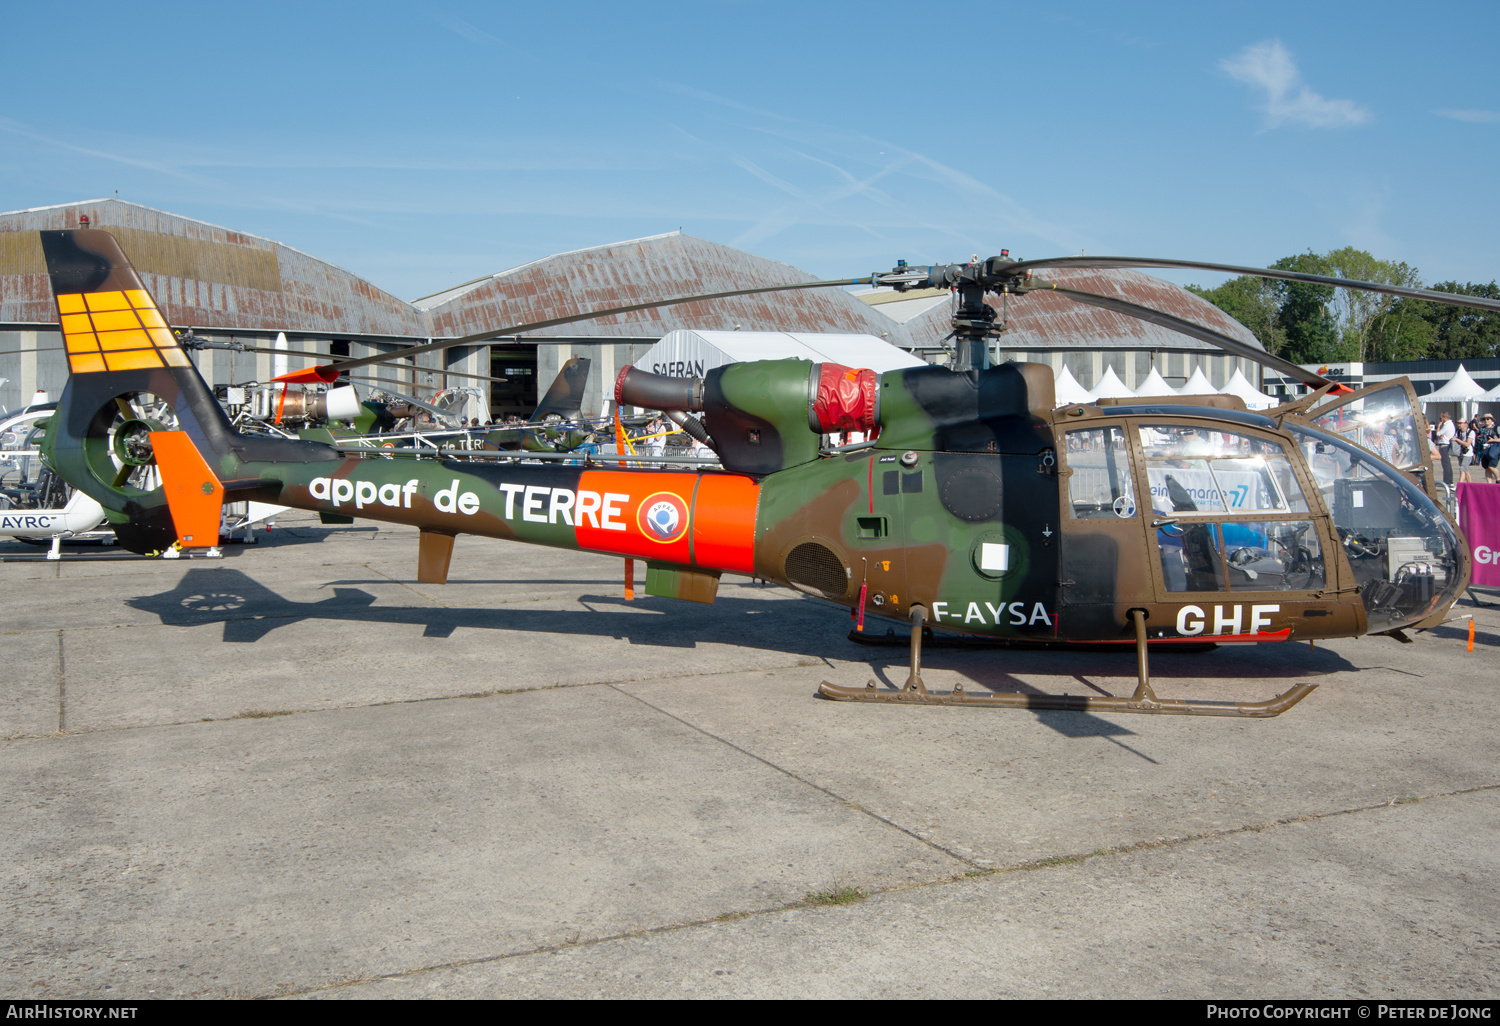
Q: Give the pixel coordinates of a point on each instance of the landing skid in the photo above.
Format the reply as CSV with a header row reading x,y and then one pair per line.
x,y
890,639
914,692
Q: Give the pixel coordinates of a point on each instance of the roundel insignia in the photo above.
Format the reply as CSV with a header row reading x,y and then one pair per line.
x,y
662,517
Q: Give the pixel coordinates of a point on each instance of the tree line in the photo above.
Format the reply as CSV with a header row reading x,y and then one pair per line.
x,y
1307,323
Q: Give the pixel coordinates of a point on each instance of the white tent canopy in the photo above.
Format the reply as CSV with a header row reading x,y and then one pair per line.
x,y
1068,391
685,353
1111,387
1239,385
1198,384
1155,385
1460,388
1492,396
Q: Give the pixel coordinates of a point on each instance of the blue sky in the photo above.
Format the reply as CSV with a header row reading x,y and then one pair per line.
x,y
420,146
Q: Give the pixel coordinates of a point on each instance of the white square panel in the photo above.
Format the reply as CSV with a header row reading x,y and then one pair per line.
x,y
994,558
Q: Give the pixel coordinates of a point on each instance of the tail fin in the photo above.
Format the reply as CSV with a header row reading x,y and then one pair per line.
x,y
119,348
565,397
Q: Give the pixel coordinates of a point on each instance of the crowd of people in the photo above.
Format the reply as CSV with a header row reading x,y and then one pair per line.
x,y
1460,445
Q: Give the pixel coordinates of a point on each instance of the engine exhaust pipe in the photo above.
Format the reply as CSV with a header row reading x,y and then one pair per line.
x,y
635,387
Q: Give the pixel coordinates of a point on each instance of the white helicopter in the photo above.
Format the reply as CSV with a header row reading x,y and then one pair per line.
x,y
37,506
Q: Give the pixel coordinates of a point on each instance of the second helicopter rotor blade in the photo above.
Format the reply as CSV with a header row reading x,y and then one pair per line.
x,y
339,366
1232,346
1104,262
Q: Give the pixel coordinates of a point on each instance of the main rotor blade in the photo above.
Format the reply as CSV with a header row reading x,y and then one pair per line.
x,y
1232,346
518,329
1450,298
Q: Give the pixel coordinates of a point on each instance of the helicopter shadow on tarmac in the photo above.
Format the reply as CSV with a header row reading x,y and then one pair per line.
x,y
250,612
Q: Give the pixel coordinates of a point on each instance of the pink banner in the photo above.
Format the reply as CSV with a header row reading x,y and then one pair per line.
x,y
1479,514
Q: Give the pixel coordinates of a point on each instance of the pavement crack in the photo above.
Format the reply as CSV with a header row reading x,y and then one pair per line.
x,y
1034,865
1210,835
62,679
847,802
398,581
491,693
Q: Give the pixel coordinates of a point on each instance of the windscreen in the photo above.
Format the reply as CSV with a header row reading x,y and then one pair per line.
x,y
1402,549
1383,422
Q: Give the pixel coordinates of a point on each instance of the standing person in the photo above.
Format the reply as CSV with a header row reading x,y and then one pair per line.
x,y
657,431
1444,435
1463,448
1487,448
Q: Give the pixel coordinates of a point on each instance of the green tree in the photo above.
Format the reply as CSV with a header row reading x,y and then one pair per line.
x,y
1356,311
1309,323
1402,331
1459,332
1312,336
1251,301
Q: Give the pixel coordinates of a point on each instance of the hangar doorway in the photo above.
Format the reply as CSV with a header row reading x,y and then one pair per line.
x,y
517,394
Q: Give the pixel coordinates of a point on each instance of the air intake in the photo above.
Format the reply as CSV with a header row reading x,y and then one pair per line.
x,y
814,567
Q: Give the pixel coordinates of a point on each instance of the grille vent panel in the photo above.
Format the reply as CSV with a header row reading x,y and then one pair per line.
x,y
818,569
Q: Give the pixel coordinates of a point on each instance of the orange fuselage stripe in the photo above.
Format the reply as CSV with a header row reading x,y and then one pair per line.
x,y
690,519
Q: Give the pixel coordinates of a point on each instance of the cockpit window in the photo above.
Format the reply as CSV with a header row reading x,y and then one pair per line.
x,y
1382,422
1100,484
1195,470
1403,551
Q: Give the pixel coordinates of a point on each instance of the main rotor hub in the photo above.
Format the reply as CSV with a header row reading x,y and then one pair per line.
x,y
973,319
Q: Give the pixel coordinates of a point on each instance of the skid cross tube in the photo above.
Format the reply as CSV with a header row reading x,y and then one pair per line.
x,y
1144,700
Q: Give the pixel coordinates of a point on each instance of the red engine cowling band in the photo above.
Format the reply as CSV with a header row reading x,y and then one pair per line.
x,y
843,399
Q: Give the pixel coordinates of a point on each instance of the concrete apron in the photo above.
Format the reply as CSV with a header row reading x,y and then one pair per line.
x,y
183,837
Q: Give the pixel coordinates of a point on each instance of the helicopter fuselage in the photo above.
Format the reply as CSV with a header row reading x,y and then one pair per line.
x,y
1222,524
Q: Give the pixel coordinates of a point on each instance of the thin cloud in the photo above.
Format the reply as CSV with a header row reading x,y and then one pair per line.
x,y
475,34
26,132
472,33
1288,101
858,186
1483,117
770,179
986,209
723,101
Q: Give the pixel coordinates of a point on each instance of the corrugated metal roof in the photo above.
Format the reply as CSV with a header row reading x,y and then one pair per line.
x,y
1042,320
658,267
205,275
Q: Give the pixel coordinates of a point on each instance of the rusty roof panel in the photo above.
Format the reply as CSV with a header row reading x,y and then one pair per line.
x,y
204,275
658,267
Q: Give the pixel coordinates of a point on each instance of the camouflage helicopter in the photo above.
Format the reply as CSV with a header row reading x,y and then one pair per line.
x,y
977,507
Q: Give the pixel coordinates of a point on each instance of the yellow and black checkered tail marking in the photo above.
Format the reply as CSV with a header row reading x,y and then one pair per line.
x,y
116,331
109,321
